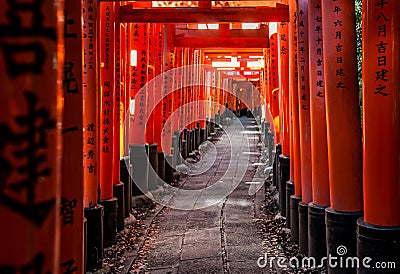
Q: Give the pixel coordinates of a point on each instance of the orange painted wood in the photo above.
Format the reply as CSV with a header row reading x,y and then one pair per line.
x,y
215,43
125,81
304,101
295,162
107,89
381,120
273,80
170,97
343,112
319,146
71,206
283,62
31,65
150,87
139,73
160,109
90,98
117,98
204,15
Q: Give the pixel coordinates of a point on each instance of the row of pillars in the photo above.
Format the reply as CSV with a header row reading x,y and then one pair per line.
x,y
338,179
83,96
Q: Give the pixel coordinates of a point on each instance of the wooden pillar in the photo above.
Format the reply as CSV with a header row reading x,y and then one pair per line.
x,y
343,116
106,99
304,102
304,123
170,95
379,231
274,85
151,89
319,147
117,98
31,65
71,206
284,115
138,40
283,67
160,109
90,95
295,164
91,135
126,82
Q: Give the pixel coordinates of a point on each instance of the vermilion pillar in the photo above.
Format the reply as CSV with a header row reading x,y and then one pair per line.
x,y
304,123
319,148
343,116
93,210
379,231
274,85
284,114
118,186
71,206
107,98
107,120
295,164
31,64
138,111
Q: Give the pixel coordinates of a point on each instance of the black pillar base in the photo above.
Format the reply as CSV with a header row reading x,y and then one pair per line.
x,y
153,168
316,231
161,166
84,245
202,135
138,160
341,231
189,142
275,178
284,172
169,171
127,181
110,221
191,138
118,191
217,119
294,218
289,192
196,138
94,217
303,228
381,244
184,152
211,126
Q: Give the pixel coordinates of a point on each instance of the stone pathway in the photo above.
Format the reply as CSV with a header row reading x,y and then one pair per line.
x,y
217,232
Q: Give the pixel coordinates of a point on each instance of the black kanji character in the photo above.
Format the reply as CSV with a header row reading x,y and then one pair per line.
x,y
69,266
67,210
30,143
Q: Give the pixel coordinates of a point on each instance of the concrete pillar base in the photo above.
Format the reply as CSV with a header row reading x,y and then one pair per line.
x,y
138,161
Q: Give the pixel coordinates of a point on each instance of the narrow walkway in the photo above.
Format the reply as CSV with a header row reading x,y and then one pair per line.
x,y
223,237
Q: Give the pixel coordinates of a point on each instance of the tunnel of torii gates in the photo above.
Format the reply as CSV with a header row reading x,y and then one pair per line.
x,y
77,81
